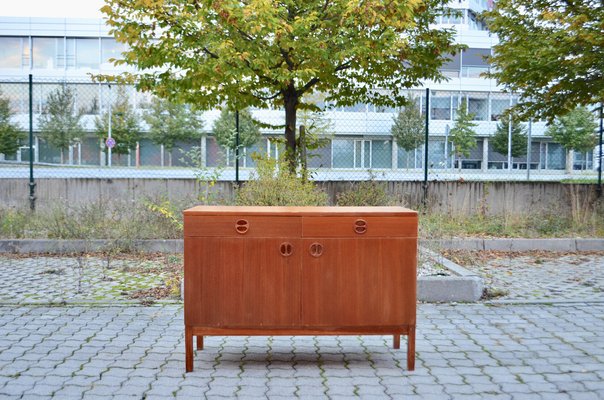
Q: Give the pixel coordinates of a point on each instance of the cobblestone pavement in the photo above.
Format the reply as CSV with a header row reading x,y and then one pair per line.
x,y
541,275
43,279
463,352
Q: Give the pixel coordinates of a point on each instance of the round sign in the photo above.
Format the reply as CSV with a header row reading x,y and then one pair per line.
x,y
110,142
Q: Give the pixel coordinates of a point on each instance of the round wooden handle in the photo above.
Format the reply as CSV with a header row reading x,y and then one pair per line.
x,y
316,249
286,249
242,226
360,226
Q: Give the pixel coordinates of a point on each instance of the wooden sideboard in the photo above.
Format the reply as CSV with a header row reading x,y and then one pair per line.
x,y
300,271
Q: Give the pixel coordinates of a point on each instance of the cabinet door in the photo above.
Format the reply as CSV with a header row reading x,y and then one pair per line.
x,y
359,282
213,281
242,282
271,288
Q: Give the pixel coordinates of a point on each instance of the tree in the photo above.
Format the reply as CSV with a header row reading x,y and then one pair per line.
x,y
125,127
269,54
60,121
575,131
462,135
9,132
409,127
170,123
519,138
225,129
549,51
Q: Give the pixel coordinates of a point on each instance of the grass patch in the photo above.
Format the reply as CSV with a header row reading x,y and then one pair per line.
x,y
436,226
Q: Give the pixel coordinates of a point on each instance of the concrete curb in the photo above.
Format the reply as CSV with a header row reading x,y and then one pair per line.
x,y
462,286
49,246
176,245
516,244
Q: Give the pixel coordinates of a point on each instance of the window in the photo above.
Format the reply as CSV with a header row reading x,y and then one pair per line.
x,y
409,159
381,154
362,154
451,68
87,53
343,153
110,48
498,106
477,105
474,62
48,53
556,158
320,157
14,52
440,107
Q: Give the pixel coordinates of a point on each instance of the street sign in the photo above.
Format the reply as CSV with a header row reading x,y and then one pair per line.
x,y
110,142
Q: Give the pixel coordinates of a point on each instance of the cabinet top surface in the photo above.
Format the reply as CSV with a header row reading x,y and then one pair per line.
x,y
318,211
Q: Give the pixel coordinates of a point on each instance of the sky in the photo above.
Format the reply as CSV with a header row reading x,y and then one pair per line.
x,y
51,8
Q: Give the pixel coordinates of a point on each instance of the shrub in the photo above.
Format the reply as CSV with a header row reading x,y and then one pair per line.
x,y
366,193
275,185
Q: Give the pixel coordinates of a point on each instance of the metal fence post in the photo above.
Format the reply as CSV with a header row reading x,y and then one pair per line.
x,y
425,200
32,184
529,147
237,147
601,166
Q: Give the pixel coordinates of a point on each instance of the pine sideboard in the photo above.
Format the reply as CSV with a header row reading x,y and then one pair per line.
x,y
300,271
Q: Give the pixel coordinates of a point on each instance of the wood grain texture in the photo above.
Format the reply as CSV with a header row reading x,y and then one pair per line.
x,y
258,226
300,270
345,226
299,211
360,282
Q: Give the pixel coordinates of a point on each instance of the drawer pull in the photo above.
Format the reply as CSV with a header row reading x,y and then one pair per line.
x,y
316,249
360,226
242,226
286,249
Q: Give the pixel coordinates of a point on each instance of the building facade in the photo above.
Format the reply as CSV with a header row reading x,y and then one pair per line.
x,y
68,51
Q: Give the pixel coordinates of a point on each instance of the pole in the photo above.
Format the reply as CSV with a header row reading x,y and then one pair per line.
x,y
32,184
528,150
599,189
237,147
426,148
109,131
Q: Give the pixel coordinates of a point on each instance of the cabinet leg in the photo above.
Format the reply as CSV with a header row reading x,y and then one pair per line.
x,y
396,341
199,342
411,349
188,349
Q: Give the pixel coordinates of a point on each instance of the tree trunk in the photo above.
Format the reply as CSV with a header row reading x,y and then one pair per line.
x,y
291,105
569,161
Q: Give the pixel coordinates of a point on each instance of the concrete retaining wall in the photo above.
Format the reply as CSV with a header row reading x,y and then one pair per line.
x,y
490,198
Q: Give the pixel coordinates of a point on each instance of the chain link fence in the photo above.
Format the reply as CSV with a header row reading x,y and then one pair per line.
x,y
81,129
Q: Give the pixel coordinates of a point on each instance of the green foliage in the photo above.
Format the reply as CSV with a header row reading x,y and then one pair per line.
x,y
9,132
170,123
365,193
550,52
60,122
225,129
275,185
206,178
519,138
575,130
269,54
409,126
462,134
125,127
123,221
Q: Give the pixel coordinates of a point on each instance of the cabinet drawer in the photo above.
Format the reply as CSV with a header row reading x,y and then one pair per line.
x,y
242,226
359,226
